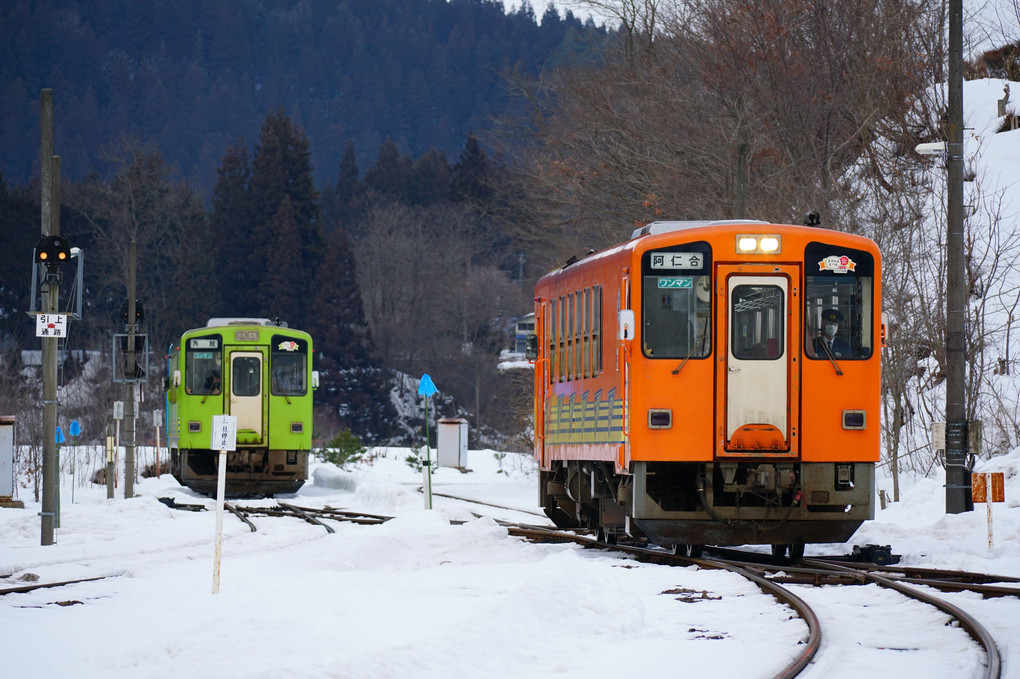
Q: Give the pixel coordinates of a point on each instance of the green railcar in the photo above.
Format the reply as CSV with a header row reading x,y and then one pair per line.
x,y
259,371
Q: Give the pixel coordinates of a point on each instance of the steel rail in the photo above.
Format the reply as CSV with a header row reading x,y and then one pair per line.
x,y
343,515
977,631
21,589
780,593
241,514
920,574
305,515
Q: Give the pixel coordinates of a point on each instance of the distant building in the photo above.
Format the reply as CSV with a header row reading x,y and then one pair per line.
x,y
525,326
513,358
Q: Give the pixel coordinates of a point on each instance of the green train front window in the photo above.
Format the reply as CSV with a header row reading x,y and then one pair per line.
x,y
289,366
203,366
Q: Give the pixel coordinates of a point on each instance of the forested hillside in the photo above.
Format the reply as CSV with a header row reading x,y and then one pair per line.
x,y
194,77
315,162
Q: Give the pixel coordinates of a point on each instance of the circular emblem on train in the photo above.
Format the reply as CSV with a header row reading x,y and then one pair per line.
x,y
289,345
837,264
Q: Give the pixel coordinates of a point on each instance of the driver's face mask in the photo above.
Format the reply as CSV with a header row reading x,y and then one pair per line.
x,y
830,330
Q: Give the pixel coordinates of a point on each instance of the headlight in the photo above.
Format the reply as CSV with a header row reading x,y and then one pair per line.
x,y
753,244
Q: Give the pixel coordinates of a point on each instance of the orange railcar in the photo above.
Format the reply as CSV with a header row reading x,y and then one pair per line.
x,y
711,383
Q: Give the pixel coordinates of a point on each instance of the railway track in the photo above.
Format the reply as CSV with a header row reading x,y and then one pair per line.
x,y
771,577
778,578
199,547
312,515
977,631
818,573
32,586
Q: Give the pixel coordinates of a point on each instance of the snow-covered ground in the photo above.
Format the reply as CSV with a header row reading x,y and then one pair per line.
x,y
423,596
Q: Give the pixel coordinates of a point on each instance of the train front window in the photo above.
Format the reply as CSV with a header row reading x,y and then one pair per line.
x,y
756,329
676,302
838,303
246,376
288,366
202,366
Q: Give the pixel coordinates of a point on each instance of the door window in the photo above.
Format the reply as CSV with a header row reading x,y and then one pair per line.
x,y
246,376
756,326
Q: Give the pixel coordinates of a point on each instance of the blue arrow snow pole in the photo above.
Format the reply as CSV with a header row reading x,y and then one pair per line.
x,y
75,430
60,439
427,388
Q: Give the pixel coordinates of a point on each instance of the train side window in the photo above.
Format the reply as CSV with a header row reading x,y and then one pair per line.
x,y
578,334
563,338
587,340
757,328
550,328
838,302
597,330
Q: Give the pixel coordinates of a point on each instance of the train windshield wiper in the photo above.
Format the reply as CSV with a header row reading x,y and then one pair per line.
x,y
828,354
694,345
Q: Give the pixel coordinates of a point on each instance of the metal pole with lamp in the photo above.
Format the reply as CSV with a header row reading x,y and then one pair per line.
x,y
958,488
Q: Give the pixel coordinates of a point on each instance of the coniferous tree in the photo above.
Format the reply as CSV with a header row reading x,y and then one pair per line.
x,y
348,184
277,295
17,211
469,181
388,178
342,204
230,227
281,170
352,384
429,182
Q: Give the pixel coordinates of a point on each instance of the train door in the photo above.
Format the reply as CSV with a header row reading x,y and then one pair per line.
x,y
544,338
246,389
759,366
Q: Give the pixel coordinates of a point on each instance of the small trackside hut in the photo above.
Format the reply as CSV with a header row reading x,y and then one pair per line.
x,y
693,387
260,372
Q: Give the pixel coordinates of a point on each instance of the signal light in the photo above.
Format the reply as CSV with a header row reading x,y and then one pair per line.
x,y
139,312
52,250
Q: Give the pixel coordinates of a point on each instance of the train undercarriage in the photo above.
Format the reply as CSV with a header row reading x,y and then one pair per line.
x,y
690,504
254,471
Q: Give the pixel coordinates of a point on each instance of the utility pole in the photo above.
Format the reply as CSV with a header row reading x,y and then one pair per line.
x,y
132,380
957,476
51,301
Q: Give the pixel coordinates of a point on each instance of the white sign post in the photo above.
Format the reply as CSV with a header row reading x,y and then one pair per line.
x,y
224,438
118,415
51,325
157,420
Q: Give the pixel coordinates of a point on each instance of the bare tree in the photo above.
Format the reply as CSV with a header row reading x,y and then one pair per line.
x,y
656,130
432,304
143,204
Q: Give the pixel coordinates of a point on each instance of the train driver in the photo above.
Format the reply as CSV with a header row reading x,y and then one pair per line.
x,y
212,382
827,343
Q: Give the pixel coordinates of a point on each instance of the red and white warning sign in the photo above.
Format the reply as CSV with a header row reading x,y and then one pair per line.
x,y
51,325
988,487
